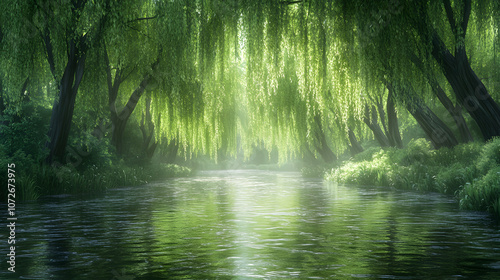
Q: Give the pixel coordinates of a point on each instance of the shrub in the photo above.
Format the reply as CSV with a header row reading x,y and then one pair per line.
x,y
482,194
490,156
450,179
367,154
417,151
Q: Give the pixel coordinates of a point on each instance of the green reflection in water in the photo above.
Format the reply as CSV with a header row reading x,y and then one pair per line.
x,y
255,225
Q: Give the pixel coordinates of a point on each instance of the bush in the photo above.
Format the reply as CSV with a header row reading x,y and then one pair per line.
x,y
450,179
470,171
417,151
490,156
482,194
367,154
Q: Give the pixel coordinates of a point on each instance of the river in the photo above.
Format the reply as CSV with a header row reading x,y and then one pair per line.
x,y
250,224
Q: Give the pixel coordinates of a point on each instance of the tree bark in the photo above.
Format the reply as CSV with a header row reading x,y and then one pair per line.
x,y
436,130
394,135
468,88
454,110
119,119
321,144
62,111
354,146
372,123
64,104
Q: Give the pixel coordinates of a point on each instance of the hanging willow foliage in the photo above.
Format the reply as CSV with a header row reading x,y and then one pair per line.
x,y
260,71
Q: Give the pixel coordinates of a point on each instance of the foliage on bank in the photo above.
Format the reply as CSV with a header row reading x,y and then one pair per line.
x,y
470,172
94,168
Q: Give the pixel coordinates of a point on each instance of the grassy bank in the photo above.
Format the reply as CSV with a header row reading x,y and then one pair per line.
x,y
470,172
44,180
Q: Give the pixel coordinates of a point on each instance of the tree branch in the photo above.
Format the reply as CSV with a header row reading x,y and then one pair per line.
x,y
290,2
49,50
140,19
465,19
449,14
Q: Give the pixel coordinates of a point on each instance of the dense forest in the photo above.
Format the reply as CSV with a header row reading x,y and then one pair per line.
x,y
94,94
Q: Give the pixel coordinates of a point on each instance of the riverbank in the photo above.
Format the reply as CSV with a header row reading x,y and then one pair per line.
x,y
41,180
470,172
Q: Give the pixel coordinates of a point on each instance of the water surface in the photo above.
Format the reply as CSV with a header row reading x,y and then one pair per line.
x,y
253,225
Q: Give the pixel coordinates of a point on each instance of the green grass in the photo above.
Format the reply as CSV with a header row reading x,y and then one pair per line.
x,y
470,171
43,180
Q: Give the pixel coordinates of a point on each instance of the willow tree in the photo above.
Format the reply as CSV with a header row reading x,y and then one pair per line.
x,y
66,32
299,90
131,55
438,30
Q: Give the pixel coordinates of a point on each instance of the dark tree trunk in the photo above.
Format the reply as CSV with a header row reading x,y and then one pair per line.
x,y
62,111
454,110
468,88
321,144
64,104
392,121
354,146
372,123
119,119
436,130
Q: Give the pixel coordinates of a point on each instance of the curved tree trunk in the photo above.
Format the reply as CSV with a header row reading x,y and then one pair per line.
x,y
321,144
436,130
372,123
454,110
468,88
62,111
64,104
354,146
119,119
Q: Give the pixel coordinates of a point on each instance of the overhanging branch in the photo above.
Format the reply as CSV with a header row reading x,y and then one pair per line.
x,y
290,2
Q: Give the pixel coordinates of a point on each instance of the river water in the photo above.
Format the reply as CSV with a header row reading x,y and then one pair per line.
x,y
252,225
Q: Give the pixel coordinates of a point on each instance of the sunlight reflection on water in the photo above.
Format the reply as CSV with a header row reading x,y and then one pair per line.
x,y
255,225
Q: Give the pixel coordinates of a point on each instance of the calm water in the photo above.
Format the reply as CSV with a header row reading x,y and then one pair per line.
x,y
253,225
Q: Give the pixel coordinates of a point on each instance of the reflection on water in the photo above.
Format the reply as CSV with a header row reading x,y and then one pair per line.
x,y
253,225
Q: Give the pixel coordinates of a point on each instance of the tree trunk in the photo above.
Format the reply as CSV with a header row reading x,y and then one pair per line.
x,y
321,144
454,110
372,123
62,111
64,104
468,88
436,130
119,119
392,121
354,146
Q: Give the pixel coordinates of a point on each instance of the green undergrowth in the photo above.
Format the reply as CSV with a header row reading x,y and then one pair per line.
x,y
470,172
92,165
44,180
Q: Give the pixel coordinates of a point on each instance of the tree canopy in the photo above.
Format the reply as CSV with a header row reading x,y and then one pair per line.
x,y
220,76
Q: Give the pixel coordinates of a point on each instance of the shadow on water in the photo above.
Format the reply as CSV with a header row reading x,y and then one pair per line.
x,y
253,225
